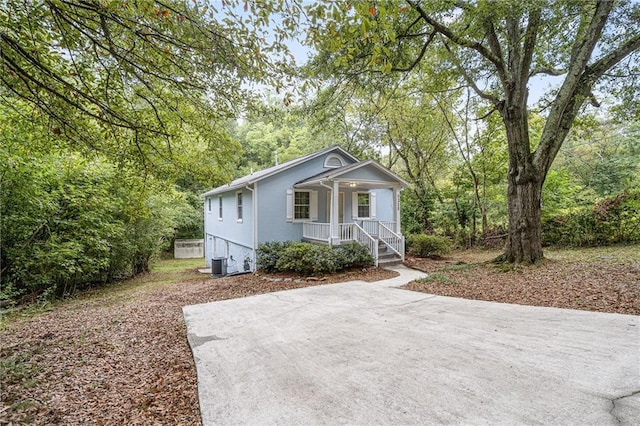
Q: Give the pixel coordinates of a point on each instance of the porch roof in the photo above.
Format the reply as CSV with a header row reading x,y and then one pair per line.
x,y
342,175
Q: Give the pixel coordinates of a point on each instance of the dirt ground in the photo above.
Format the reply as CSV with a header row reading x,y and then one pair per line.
x,y
601,279
119,355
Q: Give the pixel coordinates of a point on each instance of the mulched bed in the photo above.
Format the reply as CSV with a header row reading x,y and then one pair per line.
x,y
603,284
120,356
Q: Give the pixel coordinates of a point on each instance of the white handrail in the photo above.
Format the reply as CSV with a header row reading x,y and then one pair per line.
x,y
361,236
316,231
388,223
371,225
392,240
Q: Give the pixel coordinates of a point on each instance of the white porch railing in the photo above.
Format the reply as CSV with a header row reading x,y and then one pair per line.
x,y
364,238
368,235
392,240
316,231
345,231
371,226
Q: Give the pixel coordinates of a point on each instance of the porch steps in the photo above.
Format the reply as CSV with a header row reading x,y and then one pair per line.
x,y
387,257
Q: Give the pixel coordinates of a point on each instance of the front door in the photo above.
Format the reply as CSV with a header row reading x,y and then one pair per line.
x,y
340,207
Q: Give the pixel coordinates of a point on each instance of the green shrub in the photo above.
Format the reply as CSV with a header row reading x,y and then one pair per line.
x,y
69,223
423,245
310,259
612,221
352,255
307,259
268,254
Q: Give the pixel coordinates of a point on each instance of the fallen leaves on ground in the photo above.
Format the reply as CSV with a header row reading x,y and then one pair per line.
x,y
587,279
120,355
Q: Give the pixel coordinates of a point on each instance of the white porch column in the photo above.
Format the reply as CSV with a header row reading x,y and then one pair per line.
x,y
335,232
396,208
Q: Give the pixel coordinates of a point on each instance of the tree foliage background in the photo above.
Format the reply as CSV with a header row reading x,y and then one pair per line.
x,y
494,48
115,115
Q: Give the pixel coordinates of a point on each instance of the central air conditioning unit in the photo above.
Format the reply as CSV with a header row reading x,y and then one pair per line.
x,y
218,267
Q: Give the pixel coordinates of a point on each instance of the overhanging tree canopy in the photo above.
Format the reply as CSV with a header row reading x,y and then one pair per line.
x,y
496,48
125,78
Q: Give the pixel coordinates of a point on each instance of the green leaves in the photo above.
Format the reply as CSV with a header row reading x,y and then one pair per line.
x,y
310,259
71,221
129,79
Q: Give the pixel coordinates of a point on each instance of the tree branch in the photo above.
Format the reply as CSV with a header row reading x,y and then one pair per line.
x,y
484,95
494,45
547,71
608,61
530,37
455,38
420,55
578,83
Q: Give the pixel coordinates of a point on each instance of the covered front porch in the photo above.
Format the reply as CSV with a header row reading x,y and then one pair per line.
x,y
382,243
362,205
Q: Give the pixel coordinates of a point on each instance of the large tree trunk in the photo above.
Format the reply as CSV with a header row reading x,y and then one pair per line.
x,y
524,242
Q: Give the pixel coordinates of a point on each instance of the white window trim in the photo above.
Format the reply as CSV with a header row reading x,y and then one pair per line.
x,y
313,205
239,219
372,206
209,205
220,208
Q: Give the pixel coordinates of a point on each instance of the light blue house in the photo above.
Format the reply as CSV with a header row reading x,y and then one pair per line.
x,y
329,197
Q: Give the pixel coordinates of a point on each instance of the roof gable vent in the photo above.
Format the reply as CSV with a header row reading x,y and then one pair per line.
x,y
333,161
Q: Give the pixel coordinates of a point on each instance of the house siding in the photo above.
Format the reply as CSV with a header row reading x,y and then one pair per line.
x,y
272,205
234,240
384,204
229,237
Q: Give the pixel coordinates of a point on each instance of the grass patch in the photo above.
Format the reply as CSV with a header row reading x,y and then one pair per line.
x,y
436,277
177,265
509,267
163,272
16,368
619,253
458,267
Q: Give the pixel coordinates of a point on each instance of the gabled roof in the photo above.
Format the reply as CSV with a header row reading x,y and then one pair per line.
x,y
340,171
262,174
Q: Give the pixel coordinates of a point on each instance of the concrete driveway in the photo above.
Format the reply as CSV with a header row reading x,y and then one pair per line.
x,y
369,353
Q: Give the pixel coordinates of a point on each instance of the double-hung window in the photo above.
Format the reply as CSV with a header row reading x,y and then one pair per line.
x,y
301,205
239,205
364,204
220,207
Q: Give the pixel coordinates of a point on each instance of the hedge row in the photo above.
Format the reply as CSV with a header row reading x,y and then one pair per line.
x,y
310,259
